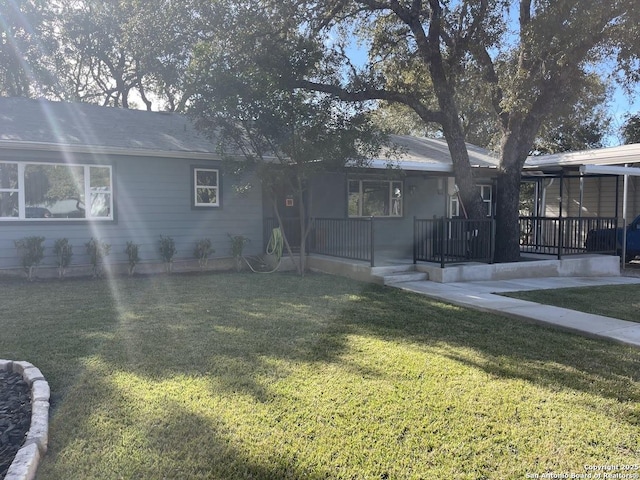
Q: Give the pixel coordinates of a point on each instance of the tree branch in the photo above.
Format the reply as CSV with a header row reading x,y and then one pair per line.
x,y
346,95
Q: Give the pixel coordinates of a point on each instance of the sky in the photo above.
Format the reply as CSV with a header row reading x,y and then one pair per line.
x,y
621,104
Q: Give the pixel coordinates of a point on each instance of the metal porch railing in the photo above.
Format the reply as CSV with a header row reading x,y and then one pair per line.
x,y
453,240
567,235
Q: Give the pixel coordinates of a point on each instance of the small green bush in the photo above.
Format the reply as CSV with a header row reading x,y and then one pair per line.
x,y
97,251
202,251
237,248
132,254
31,253
167,252
63,252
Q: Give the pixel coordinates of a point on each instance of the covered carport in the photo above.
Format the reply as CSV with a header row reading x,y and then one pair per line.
x,y
577,192
624,172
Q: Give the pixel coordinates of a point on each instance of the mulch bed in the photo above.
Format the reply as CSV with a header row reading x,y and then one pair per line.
x,y
15,417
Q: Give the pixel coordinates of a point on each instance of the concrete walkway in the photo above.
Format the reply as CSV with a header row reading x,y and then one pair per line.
x,y
482,296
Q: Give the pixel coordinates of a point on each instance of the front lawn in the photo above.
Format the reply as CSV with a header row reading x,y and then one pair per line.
x,y
232,376
617,301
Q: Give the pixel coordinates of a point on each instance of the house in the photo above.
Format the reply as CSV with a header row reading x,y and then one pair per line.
x,y
79,171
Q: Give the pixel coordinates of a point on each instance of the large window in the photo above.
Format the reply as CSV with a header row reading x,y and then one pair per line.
x,y
49,191
375,198
206,187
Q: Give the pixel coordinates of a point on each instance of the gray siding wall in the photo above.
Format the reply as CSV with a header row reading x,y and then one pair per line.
x,y
598,198
152,197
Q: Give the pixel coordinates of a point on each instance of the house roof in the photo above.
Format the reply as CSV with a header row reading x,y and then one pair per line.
x,y
601,156
432,155
43,124
81,127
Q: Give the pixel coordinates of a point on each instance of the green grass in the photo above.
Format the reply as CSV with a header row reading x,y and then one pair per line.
x,y
233,376
617,301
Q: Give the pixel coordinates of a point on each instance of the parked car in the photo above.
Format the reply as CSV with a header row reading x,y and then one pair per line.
x,y
610,240
37,212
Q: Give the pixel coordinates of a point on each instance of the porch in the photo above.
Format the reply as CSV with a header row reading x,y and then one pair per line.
x,y
445,243
588,265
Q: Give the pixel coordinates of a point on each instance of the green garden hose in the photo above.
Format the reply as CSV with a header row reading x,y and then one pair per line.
x,y
274,247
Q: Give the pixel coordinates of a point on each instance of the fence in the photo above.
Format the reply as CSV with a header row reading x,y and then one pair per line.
x,y
350,238
453,240
567,235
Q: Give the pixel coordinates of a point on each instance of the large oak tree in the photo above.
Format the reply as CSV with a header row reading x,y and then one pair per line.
x,y
529,58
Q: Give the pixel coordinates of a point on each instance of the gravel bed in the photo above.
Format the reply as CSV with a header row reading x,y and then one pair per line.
x,y
15,416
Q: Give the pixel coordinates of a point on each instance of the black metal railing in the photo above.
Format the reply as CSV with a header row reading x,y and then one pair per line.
x,y
351,238
453,240
567,235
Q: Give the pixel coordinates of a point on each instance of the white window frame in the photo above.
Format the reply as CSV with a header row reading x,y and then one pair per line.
x,y
213,187
391,184
454,202
88,191
488,202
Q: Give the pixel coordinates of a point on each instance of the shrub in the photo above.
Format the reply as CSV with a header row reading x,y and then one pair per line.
x,y
132,254
167,252
237,247
202,251
63,252
31,253
97,251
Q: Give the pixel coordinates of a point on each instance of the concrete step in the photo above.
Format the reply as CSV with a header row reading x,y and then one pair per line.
x,y
392,269
402,277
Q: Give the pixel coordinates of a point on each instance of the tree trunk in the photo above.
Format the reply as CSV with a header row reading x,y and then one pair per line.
x,y
518,137
507,213
468,191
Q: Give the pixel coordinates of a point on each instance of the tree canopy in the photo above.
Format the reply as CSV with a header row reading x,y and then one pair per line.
x,y
243,98
529,60
631,129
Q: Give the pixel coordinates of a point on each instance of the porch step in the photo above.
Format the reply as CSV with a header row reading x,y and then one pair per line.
x,y
402,277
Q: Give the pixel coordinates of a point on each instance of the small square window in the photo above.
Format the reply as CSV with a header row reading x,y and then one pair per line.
x,y
206,187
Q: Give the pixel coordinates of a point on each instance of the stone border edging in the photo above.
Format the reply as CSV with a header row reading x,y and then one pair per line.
x,y
26,461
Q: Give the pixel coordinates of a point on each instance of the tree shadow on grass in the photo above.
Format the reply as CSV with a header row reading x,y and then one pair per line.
x,y
106,431
240,339
508,348
178,326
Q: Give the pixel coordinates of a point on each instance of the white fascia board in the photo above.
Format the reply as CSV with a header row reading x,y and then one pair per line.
x,y
99,150
382,164
600,156
131,152
419,166
609,170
